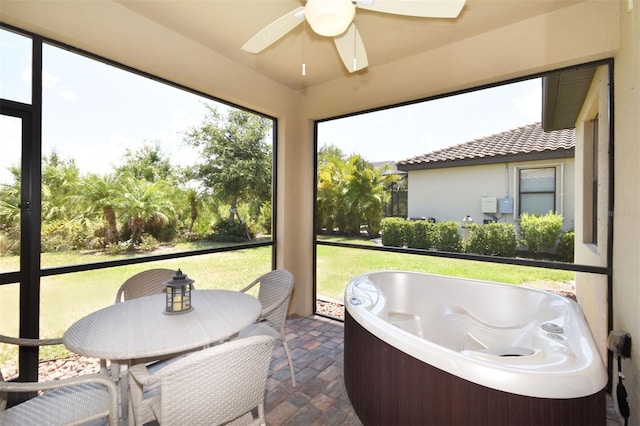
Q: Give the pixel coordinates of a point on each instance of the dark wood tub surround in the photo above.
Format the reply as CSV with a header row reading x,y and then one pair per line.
x,y
388,387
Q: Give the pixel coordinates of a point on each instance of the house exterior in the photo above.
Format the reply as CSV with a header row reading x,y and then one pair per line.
x,y
496,178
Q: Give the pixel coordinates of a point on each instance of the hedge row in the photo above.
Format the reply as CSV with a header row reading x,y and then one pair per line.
x,y
537,233
398,232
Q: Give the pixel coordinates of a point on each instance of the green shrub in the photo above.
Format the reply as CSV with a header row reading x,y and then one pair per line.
x,y
148,242
494,239
420,234
447,237
9,244
476,239
225,231
540,233
394,231
64,235
566,246
264,218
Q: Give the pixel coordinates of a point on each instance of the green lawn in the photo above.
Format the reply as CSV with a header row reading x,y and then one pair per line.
x,y
337,265
66,298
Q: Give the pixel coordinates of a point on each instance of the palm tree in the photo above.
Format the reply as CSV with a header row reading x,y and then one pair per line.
x,y
331,185
10,212
142,201
365,195
100,193
351,192
60,189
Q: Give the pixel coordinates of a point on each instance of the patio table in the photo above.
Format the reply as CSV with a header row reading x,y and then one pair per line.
x,y
139,329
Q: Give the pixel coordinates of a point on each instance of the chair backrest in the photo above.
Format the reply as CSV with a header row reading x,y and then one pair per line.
x,y
144,283
274,295
216,385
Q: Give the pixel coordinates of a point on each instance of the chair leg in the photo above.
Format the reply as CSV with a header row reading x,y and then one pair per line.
x,y
261,414
286,350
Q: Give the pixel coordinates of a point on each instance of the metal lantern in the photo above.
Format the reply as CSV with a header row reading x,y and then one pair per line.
x,y
178,294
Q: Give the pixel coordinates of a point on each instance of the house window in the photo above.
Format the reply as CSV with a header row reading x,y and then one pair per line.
x,y
537,190
590,182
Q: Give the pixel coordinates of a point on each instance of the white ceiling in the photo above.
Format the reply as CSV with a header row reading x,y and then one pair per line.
x,y
224,26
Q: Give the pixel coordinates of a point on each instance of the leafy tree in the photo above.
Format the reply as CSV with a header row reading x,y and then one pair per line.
x,y
147,163
236,158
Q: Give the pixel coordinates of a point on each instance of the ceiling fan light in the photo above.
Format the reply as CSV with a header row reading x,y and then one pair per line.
x,y
329,18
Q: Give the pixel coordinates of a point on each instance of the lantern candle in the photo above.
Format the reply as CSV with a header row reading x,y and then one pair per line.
x,y
178,294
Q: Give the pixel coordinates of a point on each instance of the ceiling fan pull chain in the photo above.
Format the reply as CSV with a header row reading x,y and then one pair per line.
x,y
304,35
355,46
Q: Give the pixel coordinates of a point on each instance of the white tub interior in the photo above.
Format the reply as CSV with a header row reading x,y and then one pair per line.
x,y
525,341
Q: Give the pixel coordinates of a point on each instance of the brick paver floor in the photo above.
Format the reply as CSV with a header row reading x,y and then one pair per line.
x,y
320,398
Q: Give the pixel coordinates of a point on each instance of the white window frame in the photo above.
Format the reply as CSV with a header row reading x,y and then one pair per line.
x,y
559,190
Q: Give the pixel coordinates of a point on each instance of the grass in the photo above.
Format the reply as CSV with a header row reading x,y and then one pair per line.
x,y
337,265
67,298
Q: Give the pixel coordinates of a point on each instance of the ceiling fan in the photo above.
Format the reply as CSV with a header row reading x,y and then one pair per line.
x,y
334,18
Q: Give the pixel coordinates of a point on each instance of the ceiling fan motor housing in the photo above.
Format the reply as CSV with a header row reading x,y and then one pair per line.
x,y
329,18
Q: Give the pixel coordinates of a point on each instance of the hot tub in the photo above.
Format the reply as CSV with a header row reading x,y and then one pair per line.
x,y
428,349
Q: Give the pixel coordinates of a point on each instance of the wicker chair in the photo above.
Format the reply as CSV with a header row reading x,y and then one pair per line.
x,y
274,294
144,283
70,401
218,385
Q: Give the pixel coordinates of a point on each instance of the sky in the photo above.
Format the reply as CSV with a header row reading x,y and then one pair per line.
x,y
400,133
93,112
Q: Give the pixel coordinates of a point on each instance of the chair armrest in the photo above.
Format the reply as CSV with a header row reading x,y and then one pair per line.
x,y
24,341
53,384
98,379
247,288
141,375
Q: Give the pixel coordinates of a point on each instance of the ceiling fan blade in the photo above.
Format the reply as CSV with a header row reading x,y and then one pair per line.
x,y
274,31
351,49
420,8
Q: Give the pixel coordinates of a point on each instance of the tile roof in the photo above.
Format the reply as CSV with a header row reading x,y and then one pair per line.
x,y
522,143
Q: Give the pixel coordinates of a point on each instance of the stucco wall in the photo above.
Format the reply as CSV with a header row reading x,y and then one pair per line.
x,y
591,289
454,192
626,214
